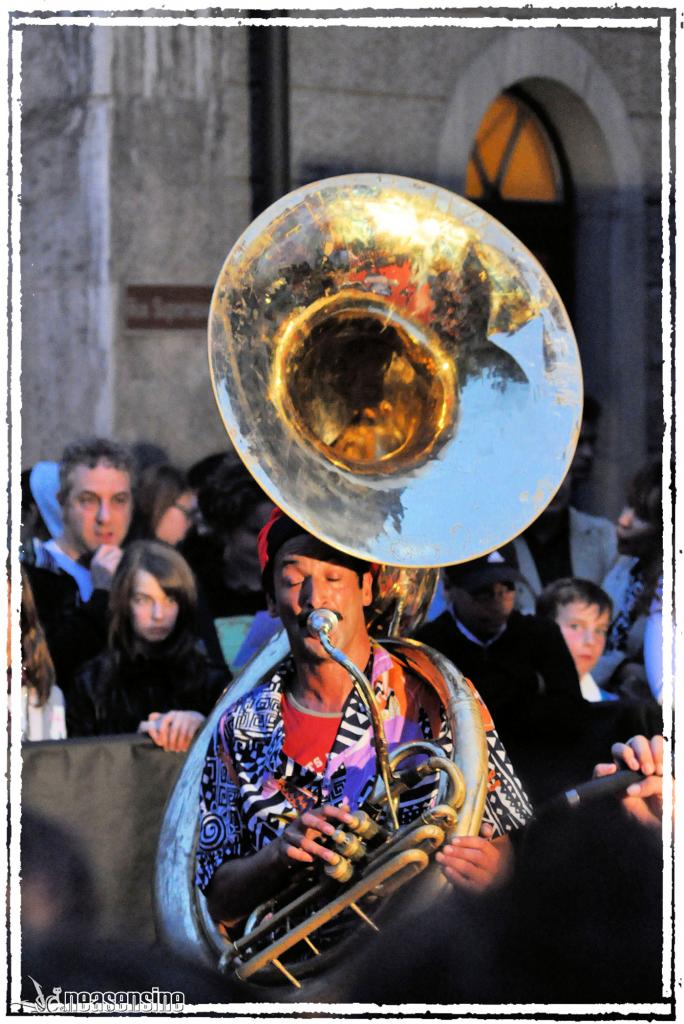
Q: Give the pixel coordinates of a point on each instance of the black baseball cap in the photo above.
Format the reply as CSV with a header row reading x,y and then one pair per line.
x,y
482,572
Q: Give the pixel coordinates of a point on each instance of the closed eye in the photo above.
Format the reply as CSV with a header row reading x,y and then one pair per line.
x,y
289,581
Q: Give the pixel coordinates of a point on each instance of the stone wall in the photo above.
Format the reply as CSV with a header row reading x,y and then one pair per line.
x,y
137,171
180,198
373,99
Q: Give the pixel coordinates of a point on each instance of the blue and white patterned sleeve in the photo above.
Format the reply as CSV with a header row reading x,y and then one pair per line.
x,y
507,806
220,831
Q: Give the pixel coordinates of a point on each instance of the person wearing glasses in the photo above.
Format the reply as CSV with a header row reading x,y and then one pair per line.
x,y
165,505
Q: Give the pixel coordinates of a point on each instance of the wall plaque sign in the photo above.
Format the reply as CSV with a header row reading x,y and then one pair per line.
x,y
154,307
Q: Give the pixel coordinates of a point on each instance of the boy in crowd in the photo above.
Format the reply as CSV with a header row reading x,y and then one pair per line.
x,y
583,612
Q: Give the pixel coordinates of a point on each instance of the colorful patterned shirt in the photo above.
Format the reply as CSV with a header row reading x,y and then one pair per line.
x,y
250,789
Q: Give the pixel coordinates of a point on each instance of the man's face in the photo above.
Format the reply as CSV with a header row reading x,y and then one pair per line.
x,y
483,611
304,579
584,628
97,510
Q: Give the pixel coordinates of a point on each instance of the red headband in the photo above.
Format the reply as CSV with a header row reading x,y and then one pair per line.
x,y
278,529
262,539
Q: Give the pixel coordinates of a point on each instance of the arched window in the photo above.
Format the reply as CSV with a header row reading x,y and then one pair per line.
x,y
517,172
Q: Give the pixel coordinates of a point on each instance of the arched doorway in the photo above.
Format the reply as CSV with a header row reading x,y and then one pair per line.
x,y
517,171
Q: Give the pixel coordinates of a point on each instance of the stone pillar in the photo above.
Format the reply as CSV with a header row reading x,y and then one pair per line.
x,y
67,301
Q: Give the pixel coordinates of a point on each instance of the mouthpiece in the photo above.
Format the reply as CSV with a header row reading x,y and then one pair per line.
x,y
322,620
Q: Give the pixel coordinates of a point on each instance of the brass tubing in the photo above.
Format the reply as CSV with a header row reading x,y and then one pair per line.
x,y
413,860
443,764
417,833
266,926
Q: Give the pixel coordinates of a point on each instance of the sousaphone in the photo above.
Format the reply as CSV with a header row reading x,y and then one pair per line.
x,y
400,376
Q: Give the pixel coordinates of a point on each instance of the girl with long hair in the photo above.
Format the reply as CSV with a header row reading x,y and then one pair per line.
x,y
154,677
42,700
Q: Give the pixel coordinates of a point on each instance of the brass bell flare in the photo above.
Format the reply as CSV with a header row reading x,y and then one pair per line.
x,y
395,369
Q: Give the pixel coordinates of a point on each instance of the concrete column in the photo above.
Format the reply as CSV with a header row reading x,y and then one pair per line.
x,y
67,313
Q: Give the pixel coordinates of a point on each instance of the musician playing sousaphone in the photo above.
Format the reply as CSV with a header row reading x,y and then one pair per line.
x,y
401,378
291,759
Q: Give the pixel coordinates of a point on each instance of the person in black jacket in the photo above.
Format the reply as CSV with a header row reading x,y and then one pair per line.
x,y
71,574
520,666
154,676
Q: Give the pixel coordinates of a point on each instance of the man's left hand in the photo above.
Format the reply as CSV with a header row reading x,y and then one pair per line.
x,y
174,730
477,863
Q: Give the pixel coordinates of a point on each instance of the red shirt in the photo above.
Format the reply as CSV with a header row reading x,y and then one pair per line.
x,y
309,735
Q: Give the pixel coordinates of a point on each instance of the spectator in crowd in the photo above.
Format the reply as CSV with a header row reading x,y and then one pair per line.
x,y
95,497
32,524
57,885
583,611
64,947
42,701
224,558
146,454
518,663
154,677
562,542
165,505
635,587
200,471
